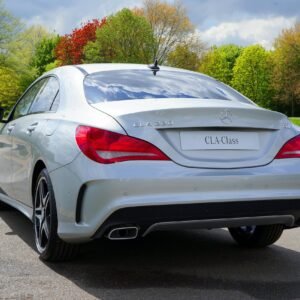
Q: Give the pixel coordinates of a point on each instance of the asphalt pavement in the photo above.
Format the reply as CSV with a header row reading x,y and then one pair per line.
x,y
165,265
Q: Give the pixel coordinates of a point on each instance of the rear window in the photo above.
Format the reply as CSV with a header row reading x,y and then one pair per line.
x,y
120,85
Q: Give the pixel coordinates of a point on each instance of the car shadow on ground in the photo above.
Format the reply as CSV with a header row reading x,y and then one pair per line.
x,y
197,260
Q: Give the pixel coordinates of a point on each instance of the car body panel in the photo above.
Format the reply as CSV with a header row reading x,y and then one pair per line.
x,y
135,184
162,121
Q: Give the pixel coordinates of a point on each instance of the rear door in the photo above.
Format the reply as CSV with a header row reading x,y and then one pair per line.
x,y
27,128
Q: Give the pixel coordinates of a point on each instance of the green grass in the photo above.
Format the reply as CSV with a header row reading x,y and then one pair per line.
x,y
296,121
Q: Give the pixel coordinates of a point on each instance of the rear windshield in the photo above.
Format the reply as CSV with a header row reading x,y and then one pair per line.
x,y
142,84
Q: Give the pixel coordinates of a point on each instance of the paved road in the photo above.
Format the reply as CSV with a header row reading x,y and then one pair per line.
x,y
185,265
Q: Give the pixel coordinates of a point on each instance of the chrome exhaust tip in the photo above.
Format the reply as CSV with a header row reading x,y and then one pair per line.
x,y
123,233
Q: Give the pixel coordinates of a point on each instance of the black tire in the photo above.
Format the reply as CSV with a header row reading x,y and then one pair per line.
x,y
4,206
257,236
48,244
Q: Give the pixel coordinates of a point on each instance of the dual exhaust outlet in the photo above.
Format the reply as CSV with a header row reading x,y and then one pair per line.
x,y
123,233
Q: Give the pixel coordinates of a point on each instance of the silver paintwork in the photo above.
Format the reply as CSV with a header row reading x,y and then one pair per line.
x,y
190,177
226,116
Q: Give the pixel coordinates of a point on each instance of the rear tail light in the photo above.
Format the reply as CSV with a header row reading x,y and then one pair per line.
x,y
109,147
291,149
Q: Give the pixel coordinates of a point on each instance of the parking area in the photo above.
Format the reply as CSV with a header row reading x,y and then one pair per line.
x,y
165,265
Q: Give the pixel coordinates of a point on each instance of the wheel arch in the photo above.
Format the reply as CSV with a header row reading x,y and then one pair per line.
x,y
38,167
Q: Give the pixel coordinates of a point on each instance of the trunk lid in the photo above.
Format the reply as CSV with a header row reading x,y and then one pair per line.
x,y
204,133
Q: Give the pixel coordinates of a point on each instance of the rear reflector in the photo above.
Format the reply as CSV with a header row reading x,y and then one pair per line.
x,y
109,147
291,149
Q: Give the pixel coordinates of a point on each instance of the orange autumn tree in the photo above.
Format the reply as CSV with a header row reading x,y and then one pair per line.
x,y
69,49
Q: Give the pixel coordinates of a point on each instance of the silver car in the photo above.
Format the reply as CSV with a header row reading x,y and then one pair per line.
x,y
120,150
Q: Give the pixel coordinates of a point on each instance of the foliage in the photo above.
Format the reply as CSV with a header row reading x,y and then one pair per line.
x,y
170,25
296,121
187,55
69,49
18,72
252,74
44,56
218,62
51,66
22,51
125,38
159,29
9,27
183,57
10,88
286,75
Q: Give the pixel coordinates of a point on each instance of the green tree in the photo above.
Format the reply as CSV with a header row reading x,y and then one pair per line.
x,y
44,55
22,51
252,74
183,57
9,28
125,37
18,71
218,62
10,88
187,55
286,75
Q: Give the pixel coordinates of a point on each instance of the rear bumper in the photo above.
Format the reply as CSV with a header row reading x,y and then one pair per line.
x,y
204,215
92,197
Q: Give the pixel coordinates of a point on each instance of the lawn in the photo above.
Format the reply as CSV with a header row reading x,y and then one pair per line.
x,y
295,121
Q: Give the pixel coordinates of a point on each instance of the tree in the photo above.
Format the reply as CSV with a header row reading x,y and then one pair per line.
x,y
9,27
10,88
218,62
252,74
183,57
69,49
187,55
125,38
44,54
22,51
286,75
170,24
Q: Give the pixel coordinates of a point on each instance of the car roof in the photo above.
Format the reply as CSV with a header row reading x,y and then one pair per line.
x,y
94,68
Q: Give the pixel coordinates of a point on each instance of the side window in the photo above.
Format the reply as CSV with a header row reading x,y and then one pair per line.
x,y
44,99
24,104
55,103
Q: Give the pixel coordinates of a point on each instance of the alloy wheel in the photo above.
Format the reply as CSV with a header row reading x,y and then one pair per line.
x,y
42,215
248,230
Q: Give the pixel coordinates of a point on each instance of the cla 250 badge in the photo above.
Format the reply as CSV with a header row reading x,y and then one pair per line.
x,y
154,124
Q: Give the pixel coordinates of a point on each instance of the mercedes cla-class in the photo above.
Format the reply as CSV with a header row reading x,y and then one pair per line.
x,y
120,150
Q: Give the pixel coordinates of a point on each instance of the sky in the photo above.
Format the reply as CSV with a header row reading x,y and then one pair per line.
x,y
218,22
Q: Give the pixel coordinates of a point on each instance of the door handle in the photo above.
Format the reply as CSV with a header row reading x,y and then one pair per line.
x,y
32,127
10,128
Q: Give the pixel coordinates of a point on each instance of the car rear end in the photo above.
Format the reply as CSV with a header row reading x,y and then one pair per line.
x,y
181,161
